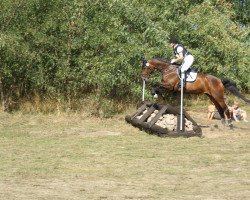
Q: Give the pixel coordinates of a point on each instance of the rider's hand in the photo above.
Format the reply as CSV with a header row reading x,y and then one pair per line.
x,y
173,61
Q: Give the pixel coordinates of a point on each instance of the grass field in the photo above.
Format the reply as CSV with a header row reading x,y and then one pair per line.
x,y
76,156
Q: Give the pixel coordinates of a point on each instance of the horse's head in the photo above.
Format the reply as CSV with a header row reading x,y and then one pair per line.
x,y
148,68
155,63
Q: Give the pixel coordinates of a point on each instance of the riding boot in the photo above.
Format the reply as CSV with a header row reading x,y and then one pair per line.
x,y
184,83
183,78
179,71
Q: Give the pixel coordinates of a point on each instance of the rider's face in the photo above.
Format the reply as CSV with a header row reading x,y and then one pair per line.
x,y
172,45
169,45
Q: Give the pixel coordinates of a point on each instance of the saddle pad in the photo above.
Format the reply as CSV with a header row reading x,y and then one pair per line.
x,y
191,76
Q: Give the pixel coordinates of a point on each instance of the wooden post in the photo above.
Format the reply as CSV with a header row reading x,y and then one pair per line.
x,y
143,90
182,118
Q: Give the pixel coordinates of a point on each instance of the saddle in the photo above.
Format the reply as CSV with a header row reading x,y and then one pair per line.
x,y
191,74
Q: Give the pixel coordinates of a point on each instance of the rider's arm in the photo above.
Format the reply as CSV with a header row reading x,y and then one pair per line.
x,y
179,57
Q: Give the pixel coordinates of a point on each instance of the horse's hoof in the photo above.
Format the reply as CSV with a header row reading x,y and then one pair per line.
x,y
229,123
156,96
223,121
231,126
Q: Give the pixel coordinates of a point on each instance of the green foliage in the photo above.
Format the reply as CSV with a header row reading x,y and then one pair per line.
x,y
242,11
69,48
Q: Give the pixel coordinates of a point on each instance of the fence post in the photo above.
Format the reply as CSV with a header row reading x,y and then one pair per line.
x,y
182,118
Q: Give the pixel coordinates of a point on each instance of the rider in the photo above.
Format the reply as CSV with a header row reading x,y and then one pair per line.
x,y
182,56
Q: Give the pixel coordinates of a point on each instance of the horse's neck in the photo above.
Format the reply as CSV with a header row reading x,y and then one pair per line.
x,y
167,68
164,66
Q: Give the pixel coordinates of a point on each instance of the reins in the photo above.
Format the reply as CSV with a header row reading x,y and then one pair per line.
x,y
167,70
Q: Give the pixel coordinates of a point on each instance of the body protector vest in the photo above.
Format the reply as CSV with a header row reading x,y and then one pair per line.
x,y
179,48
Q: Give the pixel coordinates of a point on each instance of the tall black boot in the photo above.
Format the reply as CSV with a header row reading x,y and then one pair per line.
x,y
184,80
183,77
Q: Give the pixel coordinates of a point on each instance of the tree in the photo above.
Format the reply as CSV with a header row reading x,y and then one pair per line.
x,y
66,49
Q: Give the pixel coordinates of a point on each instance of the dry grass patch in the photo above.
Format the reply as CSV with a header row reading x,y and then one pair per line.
x,y
76,156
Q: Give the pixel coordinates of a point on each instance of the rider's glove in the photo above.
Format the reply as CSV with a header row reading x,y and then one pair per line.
x,y
173,61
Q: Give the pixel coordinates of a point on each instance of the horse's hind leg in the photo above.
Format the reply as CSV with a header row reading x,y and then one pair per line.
x,y
218,107
222,108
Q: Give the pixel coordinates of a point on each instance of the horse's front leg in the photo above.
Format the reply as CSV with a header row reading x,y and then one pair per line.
x,y
156,90
159,88
167,86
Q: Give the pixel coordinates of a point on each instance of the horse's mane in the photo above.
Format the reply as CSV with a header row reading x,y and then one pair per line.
x,y
166,61
163,60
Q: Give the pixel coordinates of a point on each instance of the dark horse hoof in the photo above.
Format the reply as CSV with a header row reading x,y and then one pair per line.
x,y
223,121
231,126
228,123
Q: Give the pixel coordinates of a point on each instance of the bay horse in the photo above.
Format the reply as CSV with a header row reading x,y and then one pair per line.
x,y
207,84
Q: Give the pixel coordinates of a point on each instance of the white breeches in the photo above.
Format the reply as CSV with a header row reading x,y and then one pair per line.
x,y
188,61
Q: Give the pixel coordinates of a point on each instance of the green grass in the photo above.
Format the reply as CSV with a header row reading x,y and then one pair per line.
x,y
77,157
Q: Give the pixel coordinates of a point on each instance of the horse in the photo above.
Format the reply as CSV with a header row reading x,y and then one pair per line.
x,y
207,84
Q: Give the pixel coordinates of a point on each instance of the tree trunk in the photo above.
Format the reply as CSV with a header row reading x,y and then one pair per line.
x,y
2,94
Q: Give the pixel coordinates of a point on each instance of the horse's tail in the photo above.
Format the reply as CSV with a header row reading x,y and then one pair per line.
x,y
231,86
